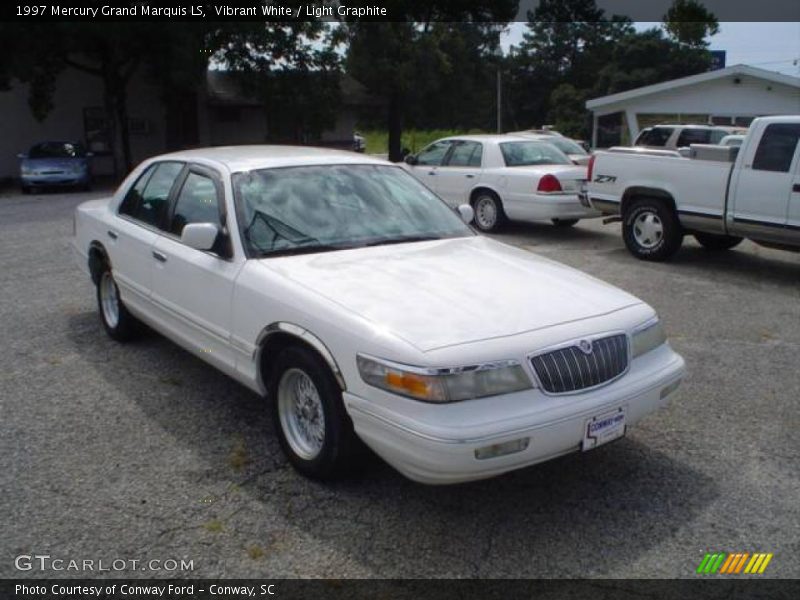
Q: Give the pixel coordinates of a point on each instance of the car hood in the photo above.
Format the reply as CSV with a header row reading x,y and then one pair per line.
x,y
52,163
449,292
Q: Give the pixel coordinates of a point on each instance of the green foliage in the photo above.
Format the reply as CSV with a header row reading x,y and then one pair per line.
x,y
689,23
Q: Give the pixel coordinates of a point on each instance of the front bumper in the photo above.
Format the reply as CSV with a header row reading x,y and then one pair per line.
x,y
443,452
55,179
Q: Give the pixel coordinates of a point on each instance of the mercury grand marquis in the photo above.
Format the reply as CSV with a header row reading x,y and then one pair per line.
x,y
366,311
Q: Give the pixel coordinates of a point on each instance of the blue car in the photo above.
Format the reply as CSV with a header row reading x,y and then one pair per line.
x,y
50,164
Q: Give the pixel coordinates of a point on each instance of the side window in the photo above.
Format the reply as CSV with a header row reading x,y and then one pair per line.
x,y
147,200
693,136
197,203
433,154
464,155
657,136
133,199
776,148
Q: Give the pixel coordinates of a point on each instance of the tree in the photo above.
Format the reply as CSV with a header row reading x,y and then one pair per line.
x,y
689,23
396,60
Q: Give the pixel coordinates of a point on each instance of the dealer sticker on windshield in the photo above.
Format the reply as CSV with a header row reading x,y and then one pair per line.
x,y
604,428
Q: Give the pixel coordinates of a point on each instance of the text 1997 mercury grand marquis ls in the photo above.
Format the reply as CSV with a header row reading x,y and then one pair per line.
x,y
365,309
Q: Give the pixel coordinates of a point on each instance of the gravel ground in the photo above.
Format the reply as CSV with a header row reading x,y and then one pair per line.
x,y
143,452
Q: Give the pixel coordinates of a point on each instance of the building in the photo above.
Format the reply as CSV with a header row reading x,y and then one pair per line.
x,y
219,113
734,95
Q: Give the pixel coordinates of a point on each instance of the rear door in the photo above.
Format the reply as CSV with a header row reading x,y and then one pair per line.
x,y
192,289
460,171
765,183
131,238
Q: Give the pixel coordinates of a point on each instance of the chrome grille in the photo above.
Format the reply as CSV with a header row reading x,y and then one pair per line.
x,y
571,369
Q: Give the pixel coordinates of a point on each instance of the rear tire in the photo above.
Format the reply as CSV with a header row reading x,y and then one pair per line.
x,y
564,223
651,230
489,214
119,324
716,242
314,430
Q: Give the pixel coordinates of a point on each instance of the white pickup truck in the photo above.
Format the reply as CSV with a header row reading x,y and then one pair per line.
x,y
718,194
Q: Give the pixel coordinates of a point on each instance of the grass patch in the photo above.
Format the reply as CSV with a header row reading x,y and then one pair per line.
x,y
414,139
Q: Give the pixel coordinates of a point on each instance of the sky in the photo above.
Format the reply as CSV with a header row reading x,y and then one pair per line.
x,y
771,46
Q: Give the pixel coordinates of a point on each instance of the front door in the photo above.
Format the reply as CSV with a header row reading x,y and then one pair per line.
x,y
459,172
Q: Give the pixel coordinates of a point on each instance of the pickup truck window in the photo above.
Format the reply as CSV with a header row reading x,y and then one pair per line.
x,y
776,148
466,154
197,203
147,200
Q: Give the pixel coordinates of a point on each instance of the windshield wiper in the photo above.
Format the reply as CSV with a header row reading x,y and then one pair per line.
x,y
404,239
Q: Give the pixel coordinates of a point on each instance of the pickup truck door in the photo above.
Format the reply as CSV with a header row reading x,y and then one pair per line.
x,y
459,172
763,185
428,161
193,289
133,232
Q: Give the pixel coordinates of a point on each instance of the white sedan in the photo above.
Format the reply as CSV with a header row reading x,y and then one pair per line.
x,y
366,311
504,177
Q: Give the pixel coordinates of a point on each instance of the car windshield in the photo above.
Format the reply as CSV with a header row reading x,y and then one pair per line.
x,y
294,210
566,145
57,150
524,154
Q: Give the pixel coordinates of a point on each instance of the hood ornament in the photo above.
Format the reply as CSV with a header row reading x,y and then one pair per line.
x,y
585,346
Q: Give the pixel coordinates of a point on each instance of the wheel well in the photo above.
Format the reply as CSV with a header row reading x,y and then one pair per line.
x,y
274,343
637,193
97,258
478,190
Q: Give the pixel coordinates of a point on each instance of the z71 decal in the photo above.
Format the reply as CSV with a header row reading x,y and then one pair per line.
x,y
605,178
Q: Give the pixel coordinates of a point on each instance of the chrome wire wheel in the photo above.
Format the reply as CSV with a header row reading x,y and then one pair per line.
x,y
486,212
301,415
109,299
648,230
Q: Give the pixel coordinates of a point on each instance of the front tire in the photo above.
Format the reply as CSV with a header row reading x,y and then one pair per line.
x,y
119,324
564,223
717,242
489,214
308,414
651,230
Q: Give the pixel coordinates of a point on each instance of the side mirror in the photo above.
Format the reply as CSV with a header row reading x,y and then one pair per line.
x,y
411,159
466,213
200,236
21,155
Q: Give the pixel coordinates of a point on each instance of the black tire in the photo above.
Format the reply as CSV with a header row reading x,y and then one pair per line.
x,y
489,204
564,223
25,189
666,236
125,327
340,450
716,242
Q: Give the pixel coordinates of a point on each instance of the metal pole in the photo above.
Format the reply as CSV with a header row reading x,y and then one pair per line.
x,y
499,102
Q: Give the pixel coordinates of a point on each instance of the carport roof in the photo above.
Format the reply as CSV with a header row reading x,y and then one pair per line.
x,y
664,86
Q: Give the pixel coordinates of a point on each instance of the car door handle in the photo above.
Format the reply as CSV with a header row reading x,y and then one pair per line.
x,y
112,234
469,176
159,256
796,188
431,172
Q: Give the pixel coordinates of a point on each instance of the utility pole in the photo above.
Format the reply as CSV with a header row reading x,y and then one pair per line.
x,y
499,102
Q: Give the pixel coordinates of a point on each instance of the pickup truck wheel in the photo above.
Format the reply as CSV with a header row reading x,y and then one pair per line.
x,y
564,222
651,230
313,427
712,241
489,214
117,321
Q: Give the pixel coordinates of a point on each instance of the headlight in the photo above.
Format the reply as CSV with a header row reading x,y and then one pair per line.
x,y
25,170
648,336
444,385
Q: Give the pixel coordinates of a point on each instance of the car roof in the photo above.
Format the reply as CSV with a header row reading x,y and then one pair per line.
x,y
490,137
247,158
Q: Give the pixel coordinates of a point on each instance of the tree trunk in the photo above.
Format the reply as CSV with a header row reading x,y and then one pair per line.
x,y
395,123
